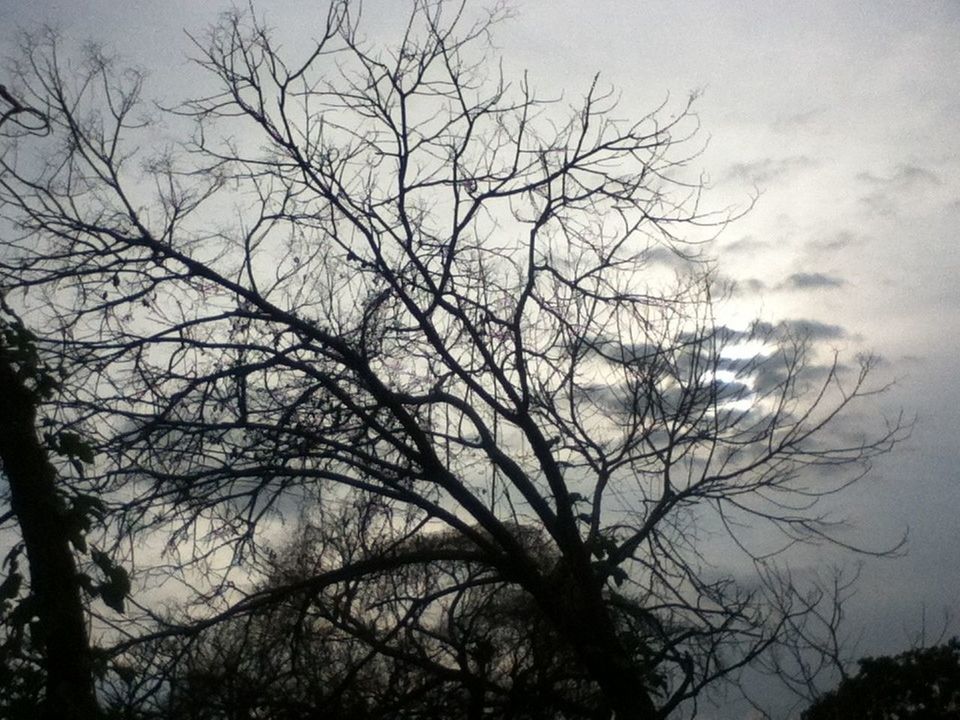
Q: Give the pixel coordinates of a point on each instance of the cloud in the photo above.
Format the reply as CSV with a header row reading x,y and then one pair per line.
x,y
798,121
811,281
774,373
838,241
746,244
886,192
810,329
766,171
814,329
751,285
879,202
745,286
911,359
904,174
675,258
765,333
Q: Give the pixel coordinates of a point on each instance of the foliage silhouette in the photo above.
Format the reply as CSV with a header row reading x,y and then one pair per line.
x,y
483,650
919,683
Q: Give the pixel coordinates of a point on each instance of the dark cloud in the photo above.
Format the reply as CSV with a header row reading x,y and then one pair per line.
x,y
746,244
810,329
747,286
723,287
879,202
910,359
839,241
811,281
767,332
904,174
773,374
887,192
814,329
768,170
672,257
765,373
798,121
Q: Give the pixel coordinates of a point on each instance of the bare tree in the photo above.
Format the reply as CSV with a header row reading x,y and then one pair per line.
x,y
392,277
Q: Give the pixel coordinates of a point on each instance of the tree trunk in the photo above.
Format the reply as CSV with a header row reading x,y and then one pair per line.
x,y
578,609
53,574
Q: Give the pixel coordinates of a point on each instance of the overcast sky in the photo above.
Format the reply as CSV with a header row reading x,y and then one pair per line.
x,y
844,115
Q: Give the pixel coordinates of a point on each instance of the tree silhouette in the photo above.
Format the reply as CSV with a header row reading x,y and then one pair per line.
x,y
918,683
474,647
392,280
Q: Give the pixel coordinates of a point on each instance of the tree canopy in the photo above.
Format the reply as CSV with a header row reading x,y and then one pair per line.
x,y
918,683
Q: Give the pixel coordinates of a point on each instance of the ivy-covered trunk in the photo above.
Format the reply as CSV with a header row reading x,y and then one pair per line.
x,y
54,585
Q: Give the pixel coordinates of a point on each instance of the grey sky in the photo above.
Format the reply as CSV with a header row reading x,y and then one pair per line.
x,y
843,114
